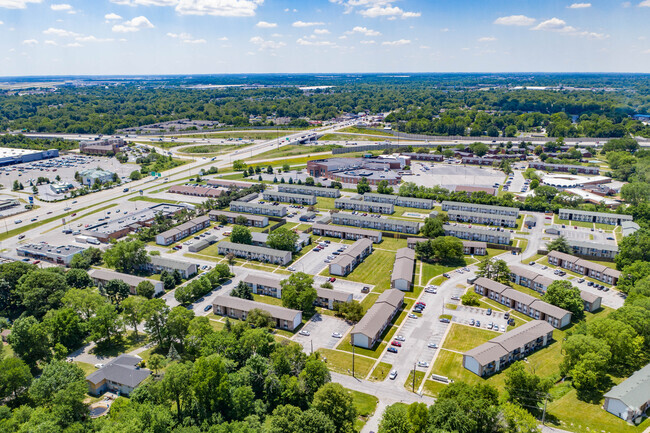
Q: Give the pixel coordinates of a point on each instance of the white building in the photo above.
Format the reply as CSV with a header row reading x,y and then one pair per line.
x,y
630,399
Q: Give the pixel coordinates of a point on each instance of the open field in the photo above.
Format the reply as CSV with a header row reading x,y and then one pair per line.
x,y
430,270
341,362
463,338
357,130
380,372
350,137
375,270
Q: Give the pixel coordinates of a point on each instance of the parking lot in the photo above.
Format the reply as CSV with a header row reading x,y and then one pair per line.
x,y
314,261
320,328
584,234
449,175
470,315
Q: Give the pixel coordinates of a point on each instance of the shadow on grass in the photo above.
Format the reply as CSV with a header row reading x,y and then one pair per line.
x,y
117,345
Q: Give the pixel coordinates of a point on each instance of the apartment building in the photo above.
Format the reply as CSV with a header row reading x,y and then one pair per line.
x,y
593,249
594,217
182,231
420,203
498,353
402,276
251,220
363,206
528,278
288,197
159,264
327,298
251,252
264,285
435,157
310,190
584,267
469,247
482,234
369,329
102,276
564,168
480,208
258,208
482,218
342,232
237,308
351,257
368,222
630,399
526,304
261,240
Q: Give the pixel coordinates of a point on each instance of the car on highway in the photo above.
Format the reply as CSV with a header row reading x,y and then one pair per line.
x,y
305,333
207,308
396,343
432,346
392,375
337,335
18,221
423,364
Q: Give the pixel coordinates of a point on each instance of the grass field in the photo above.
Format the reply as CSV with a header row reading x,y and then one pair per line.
x,y
557,220
357,130
365,405
462,338
341,362
245,135
375,270
325,203
380,372
419,377
392,244
430,270
369,300
432,387
270,300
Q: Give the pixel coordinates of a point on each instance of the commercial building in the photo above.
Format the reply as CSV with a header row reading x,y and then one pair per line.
x,y
565,168
133,221
10,156
435,157
584,267
159,264
363,206
258,208
368,222
352,170
232,184
526,304
237,308
593,249
60,255
310,190
402,276
345,262
261,239
251,252
264,285
479,208
101,146
499,352
630,399
182,231
420,203
327,298
369,329
483,234
528,278
594,217
60,187
202,244
92,175
196,191
121,376
345,232
470,189
482,218
102,276
287,197
8,204
251,220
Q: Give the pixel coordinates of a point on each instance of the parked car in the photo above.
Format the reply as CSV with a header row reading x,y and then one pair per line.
x,y
413,316
392,375
400,338
305,333
392,349
396,343
489,311
445,320
432,346
336,335
471,322
332,279
423,364
207,308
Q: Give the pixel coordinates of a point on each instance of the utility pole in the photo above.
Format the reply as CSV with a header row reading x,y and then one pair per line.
x,y
351,342
414,377
312,346
544,413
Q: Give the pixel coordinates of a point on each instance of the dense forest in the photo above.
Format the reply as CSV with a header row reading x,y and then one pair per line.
x,y
601,105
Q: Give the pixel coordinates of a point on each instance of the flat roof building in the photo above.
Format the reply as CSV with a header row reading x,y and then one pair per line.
x,y
9,156
231,217
402,276
102,276
92,175
251,252
237,308
60,255
499,352
386,224
342,232
287,197
594,217
345,262
363,206
630,399
197,191
258,208
235,184
310,190
368,331
483,234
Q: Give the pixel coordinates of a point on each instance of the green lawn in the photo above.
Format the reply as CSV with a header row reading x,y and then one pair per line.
x,y
533,258
341,362
463,338
408,383
365,405
325,203
293,150
357,130
374,270
430,270
585,224
270,300
433,387
380,373
369,301
87,368
392,244
350,137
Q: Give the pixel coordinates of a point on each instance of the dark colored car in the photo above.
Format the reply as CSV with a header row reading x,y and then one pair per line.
x,y
392,350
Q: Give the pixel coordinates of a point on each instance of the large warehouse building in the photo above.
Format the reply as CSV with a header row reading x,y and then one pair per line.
x,y
10,156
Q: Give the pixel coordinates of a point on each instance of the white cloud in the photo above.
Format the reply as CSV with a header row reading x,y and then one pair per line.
x,y
626,4
487,39
146,2
1,23
30,42
133,25
554,25
366,42
445,30
60,32
396,43
265,25
306,24
223,38
364,30
387,10
321,31
50,43
91,38
266,44
74,45
186,38
16,4
515,20
61,7
645,4
112,16
220,8
579,6
303,41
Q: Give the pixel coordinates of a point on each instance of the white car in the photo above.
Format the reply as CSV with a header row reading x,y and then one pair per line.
x,y
423,364
305,333
400,338
432,346
392,375
99,365
291,268
336,335
434,291
413,316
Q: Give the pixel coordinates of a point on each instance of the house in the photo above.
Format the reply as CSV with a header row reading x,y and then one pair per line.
x,y
158,264
496,354
369,329
526,304
594,217
482,234
258,208
102,276
630,399
182,231
252,252
402,276
364,206
287,197
345,262
310,190
327,298
121,375
482,218
341,232
237,308
593,270
264,285
386,224
231,217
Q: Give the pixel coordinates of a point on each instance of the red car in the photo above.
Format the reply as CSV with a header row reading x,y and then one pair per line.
x,y
332,279
421,303
396,343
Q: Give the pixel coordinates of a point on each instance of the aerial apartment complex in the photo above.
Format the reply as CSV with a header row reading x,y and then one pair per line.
x,y
482,234
584,267
310,190
402,276
345,262
342,232
368,222
369,329
251,252
614,219
288,197
420,203
363,206
258,208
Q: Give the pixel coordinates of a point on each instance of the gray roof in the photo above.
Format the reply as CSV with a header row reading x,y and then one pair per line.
x,y
476,230
343,261
524,272
452,212
563,256
350,216
363,203
379,314
592,245
108,275
634,390
344,229
405,253
629,228
246,204
246,305
474,244
479,206
269,194
335,295
491,284
262,280
121,370
236,214
392,297
589,297
601,214
358,247
181,265
294,187
253,249
549,309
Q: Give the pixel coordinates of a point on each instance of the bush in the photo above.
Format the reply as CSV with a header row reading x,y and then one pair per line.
x,y
471,299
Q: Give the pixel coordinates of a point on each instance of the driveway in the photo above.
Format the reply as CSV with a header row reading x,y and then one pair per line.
x,y
321,328
314,261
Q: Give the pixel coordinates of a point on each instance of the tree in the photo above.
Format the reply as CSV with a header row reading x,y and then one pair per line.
x,y
210,386
242,291
64,327
135,175
534,184
471,299
241,235
29,341
418,417
433,227
176,384
309,181
496,270
283,239
145,288
127,256
314,421
363,186
86,258
15,377
352,311
546,192
154,313
632,248
337,404
106,323
132,311
524,388
156,362
78,278
479,149
41,290
395,420
560,244
625,344
631,274
298,292
383,188
518,420
117,291
178,322
239,165
563,294
445,249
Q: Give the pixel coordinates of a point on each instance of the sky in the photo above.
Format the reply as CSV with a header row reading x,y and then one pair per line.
x,y
134,37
